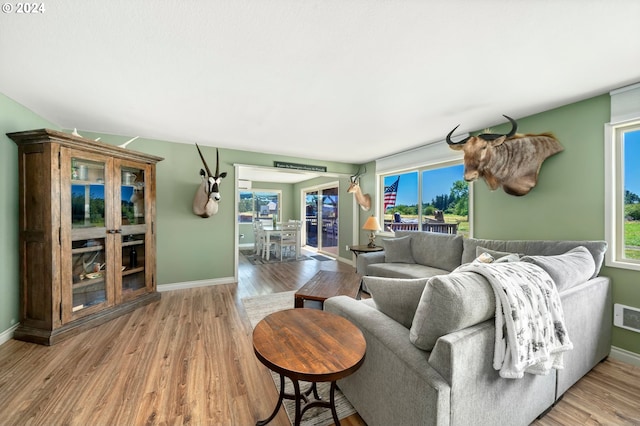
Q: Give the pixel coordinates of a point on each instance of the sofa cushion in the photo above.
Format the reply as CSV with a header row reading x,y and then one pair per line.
x,y
450,303
403,270
535,248
397,298
495,253
442,251
567,270
397,250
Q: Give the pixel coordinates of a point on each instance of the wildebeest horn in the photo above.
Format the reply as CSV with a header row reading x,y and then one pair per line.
x,y
514,126
487,136
203,160
450,142
494,136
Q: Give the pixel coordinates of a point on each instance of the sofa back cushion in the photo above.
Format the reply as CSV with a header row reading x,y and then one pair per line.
x,y
398,250
535,248
397,298
443,251
450,303
567,270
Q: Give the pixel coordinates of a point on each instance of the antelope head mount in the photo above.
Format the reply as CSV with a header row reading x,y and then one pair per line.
x,y
205,202
354,188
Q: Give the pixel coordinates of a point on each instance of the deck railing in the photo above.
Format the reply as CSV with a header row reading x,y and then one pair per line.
x,y
441,227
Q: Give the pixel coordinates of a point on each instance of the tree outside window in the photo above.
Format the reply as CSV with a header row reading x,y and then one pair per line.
x,y
426,196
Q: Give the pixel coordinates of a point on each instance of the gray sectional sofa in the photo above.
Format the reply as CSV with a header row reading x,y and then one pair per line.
x,y
430,333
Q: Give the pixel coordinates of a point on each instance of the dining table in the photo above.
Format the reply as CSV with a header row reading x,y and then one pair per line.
x,y
276,230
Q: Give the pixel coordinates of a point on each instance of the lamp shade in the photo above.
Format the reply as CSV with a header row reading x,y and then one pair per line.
x,y
371,224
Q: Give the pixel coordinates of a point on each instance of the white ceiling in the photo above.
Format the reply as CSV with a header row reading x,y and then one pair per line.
x,y
340,80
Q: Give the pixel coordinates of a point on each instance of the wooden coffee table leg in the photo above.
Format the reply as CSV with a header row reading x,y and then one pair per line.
x,y
275,411
298,302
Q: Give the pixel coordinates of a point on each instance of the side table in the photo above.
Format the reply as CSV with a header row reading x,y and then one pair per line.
x,y
364,249
308,345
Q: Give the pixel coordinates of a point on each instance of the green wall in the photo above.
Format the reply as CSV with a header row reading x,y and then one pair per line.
x,y
568,202
13,118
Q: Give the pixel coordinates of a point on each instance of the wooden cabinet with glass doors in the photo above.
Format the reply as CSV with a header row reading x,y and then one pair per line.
x,y
87,233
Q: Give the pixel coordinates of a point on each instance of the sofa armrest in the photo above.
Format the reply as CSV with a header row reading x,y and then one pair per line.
x,y
465,359
365,259
396,384
588,317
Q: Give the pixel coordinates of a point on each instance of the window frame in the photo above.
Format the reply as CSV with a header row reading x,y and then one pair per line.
x,y
420,170
614,194
253,191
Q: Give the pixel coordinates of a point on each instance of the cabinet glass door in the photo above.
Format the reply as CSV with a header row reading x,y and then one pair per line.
x,y
89,273
85,223
133,279
87,193
133,262
132,191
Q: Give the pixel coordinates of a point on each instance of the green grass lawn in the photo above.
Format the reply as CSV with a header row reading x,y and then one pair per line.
x,y
632,239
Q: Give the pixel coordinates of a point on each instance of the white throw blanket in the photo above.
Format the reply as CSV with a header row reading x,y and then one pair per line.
x,y
530,332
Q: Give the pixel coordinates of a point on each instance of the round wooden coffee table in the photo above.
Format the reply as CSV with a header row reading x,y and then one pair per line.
x,y
308,345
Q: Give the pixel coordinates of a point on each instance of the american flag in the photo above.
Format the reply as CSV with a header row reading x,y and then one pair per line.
x,y
390,194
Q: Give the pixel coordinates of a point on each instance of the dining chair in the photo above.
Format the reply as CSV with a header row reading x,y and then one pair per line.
x,y
288,239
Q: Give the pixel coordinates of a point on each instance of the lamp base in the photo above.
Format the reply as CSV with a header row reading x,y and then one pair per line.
x,y
372,240
371,245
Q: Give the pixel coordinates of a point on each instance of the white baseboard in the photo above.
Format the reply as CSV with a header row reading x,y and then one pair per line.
x,y
194,284
7,335
625,356
345,260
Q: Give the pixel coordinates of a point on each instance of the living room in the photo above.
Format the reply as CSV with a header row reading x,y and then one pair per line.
x,y
568,202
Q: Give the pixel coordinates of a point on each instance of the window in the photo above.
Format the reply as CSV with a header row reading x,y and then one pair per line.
x,y
623,194
429,198
258,204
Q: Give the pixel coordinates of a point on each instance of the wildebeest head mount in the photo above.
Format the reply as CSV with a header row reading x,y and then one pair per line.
x,y
205,202
511,161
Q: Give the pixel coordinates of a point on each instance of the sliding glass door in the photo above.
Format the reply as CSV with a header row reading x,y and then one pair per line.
x,y
321,219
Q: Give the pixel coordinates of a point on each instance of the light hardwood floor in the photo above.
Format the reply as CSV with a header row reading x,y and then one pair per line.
x,y
188,359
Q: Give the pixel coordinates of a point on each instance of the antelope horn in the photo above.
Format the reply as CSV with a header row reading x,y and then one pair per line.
x,y
203,160
217,164
450,142
358,174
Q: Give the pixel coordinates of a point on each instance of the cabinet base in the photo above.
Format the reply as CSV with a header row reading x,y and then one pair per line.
x,y
51,337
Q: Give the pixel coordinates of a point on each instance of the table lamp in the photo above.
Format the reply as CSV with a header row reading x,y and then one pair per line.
x,y
372,225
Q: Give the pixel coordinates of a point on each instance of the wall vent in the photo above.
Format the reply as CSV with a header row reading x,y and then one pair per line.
x,y
626,317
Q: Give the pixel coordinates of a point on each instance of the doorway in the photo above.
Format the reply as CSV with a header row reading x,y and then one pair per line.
x,y
321,218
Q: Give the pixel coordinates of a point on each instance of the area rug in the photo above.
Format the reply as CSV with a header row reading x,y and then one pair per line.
x,y
259,307
322,258
258,260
